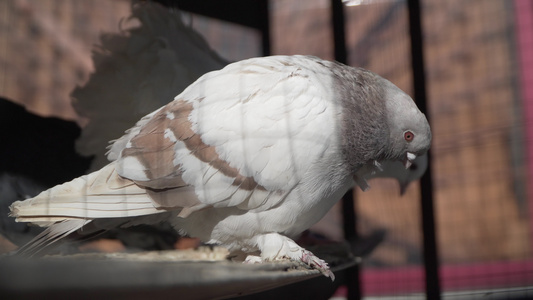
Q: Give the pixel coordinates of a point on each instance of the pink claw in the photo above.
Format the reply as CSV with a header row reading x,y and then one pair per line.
x,y
314,262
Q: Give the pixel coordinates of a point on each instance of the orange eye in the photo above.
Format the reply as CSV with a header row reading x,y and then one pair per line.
x,y
408,136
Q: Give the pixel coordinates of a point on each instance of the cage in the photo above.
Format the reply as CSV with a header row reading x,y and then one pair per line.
x,y
464,231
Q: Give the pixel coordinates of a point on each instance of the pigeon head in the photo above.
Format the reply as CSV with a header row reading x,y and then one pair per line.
x,y
410,134
380,122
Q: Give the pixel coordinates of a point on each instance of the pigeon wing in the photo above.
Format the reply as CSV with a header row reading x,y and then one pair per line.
x,y
243,136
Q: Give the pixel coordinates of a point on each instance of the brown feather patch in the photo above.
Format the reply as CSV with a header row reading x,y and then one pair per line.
x,y
156,152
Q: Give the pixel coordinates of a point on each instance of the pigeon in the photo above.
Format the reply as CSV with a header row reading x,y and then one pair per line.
x,y
148,64
246,157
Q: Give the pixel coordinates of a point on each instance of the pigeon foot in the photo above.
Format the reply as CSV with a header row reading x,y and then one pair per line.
x,y
275,247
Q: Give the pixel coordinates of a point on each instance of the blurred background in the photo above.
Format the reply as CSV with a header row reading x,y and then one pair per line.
x,y
59,57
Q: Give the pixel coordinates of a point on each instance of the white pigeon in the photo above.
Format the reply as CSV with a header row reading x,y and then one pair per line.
x,y
245,157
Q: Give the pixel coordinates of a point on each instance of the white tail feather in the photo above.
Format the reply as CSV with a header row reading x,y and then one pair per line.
x,y
50,236
101,194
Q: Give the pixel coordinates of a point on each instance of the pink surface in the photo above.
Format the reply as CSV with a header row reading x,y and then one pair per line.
x,y
453,278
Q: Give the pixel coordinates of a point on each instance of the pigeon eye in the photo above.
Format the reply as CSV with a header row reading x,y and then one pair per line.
x,y
408,136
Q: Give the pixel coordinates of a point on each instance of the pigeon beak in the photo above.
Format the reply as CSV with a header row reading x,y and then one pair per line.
x,y
403,187
409,158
